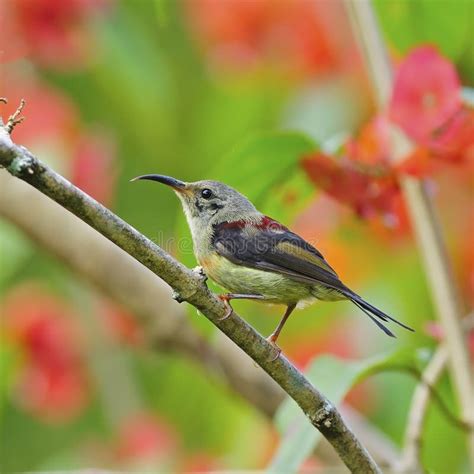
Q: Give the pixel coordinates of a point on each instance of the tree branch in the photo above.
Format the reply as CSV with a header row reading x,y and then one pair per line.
x,y
119,276
423,215
320,411
127,282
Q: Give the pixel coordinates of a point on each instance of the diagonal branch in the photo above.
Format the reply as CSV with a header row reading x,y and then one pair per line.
x,y
119,276
321,412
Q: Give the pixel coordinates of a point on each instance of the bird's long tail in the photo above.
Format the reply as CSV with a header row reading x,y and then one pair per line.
x,y
374,313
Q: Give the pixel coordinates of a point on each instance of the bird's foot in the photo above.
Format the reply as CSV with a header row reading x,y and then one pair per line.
x,y
200,272
225,299
177,296
272,340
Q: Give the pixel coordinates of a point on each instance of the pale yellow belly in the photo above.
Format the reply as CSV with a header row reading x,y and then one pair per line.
x,y
274,287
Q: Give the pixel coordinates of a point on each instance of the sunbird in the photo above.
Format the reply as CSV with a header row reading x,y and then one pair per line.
x,y
255,257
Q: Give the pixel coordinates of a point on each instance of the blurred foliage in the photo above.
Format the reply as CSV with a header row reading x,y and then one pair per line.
x,y
425,21
334,377
222,90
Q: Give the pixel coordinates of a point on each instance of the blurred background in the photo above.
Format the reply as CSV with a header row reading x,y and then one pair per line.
x,y
197,89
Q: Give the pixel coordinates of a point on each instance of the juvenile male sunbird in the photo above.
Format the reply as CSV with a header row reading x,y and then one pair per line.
x,y
255,257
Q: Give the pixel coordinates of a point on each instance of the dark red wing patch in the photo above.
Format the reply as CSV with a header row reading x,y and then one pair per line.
x,y
233,225
267,223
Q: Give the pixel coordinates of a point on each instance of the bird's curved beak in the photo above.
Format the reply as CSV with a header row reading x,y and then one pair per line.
x,y
176,184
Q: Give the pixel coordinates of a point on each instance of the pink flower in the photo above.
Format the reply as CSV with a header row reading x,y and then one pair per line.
x,y
51,383
426,93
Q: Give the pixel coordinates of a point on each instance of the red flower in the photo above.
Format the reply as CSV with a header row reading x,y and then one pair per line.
x,y
53,31
51,383
368,195
426,93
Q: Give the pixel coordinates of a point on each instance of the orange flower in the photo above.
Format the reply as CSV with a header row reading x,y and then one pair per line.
x,y
246,34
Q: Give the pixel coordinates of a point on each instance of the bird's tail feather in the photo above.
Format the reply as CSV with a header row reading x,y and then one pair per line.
x,y
372,311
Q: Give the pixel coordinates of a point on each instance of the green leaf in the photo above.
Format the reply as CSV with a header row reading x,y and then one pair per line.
x,y
9,357
334,377
161,12
444,23
263,161
14,251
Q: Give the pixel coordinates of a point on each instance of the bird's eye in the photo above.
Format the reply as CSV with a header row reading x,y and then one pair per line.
x,y
206,193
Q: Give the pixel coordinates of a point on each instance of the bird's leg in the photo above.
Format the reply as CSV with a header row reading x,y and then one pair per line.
x,y
226,297
274,335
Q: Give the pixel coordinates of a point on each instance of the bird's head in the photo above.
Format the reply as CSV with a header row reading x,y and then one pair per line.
x,y
206,203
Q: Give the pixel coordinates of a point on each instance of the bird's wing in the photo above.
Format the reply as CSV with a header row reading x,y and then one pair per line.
x,y
272,247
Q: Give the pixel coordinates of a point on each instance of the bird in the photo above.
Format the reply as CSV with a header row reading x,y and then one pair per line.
x,y
255,257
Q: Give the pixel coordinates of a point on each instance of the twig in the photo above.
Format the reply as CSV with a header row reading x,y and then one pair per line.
x,y
410,460
459,423
15,118
423,215
320,411
411,456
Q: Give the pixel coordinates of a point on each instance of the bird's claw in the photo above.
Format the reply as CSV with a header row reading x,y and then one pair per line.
x,y
200,272
177,296
227,305
275,347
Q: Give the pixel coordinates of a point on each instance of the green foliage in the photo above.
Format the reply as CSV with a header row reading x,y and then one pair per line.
x,y
264,161
408,23
334,377
14,252
8,361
